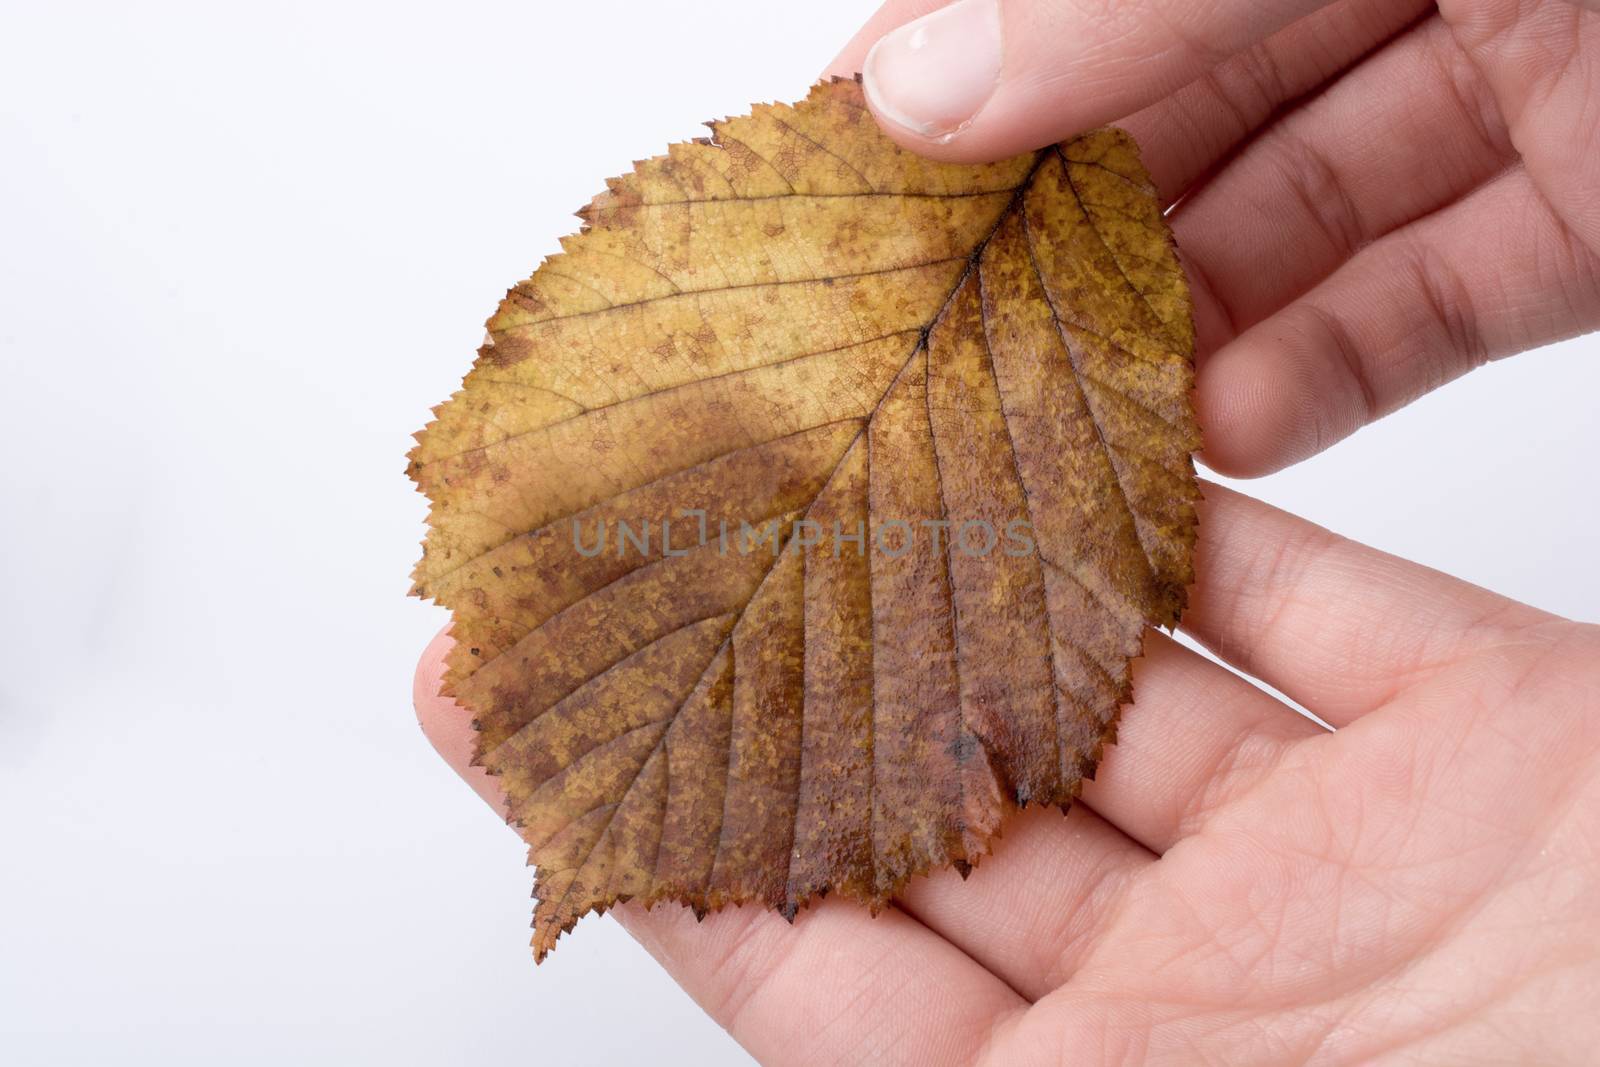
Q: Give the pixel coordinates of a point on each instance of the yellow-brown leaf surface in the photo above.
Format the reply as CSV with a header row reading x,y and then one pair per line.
x,y
797,328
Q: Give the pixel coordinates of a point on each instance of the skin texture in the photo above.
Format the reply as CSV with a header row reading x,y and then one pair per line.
x,y
1372,200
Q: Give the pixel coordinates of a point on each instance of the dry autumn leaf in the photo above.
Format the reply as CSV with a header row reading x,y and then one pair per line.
x,y
955,399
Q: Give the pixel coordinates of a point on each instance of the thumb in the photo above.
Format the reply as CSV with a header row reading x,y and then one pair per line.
x,y
978,80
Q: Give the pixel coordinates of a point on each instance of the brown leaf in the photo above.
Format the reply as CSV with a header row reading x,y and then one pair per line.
x,y
795,327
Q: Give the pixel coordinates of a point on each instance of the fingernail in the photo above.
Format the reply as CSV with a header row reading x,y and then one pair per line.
x,y
932,75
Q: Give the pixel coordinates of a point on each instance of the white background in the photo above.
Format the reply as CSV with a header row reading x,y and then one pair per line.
x,y
243,248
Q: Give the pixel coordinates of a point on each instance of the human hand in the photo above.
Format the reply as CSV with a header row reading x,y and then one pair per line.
x,y
1374,196
1238,885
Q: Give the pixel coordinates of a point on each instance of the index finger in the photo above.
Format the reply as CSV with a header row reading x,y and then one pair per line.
x,y
1335,625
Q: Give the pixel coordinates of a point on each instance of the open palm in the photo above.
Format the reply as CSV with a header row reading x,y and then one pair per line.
x,y
1240,885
